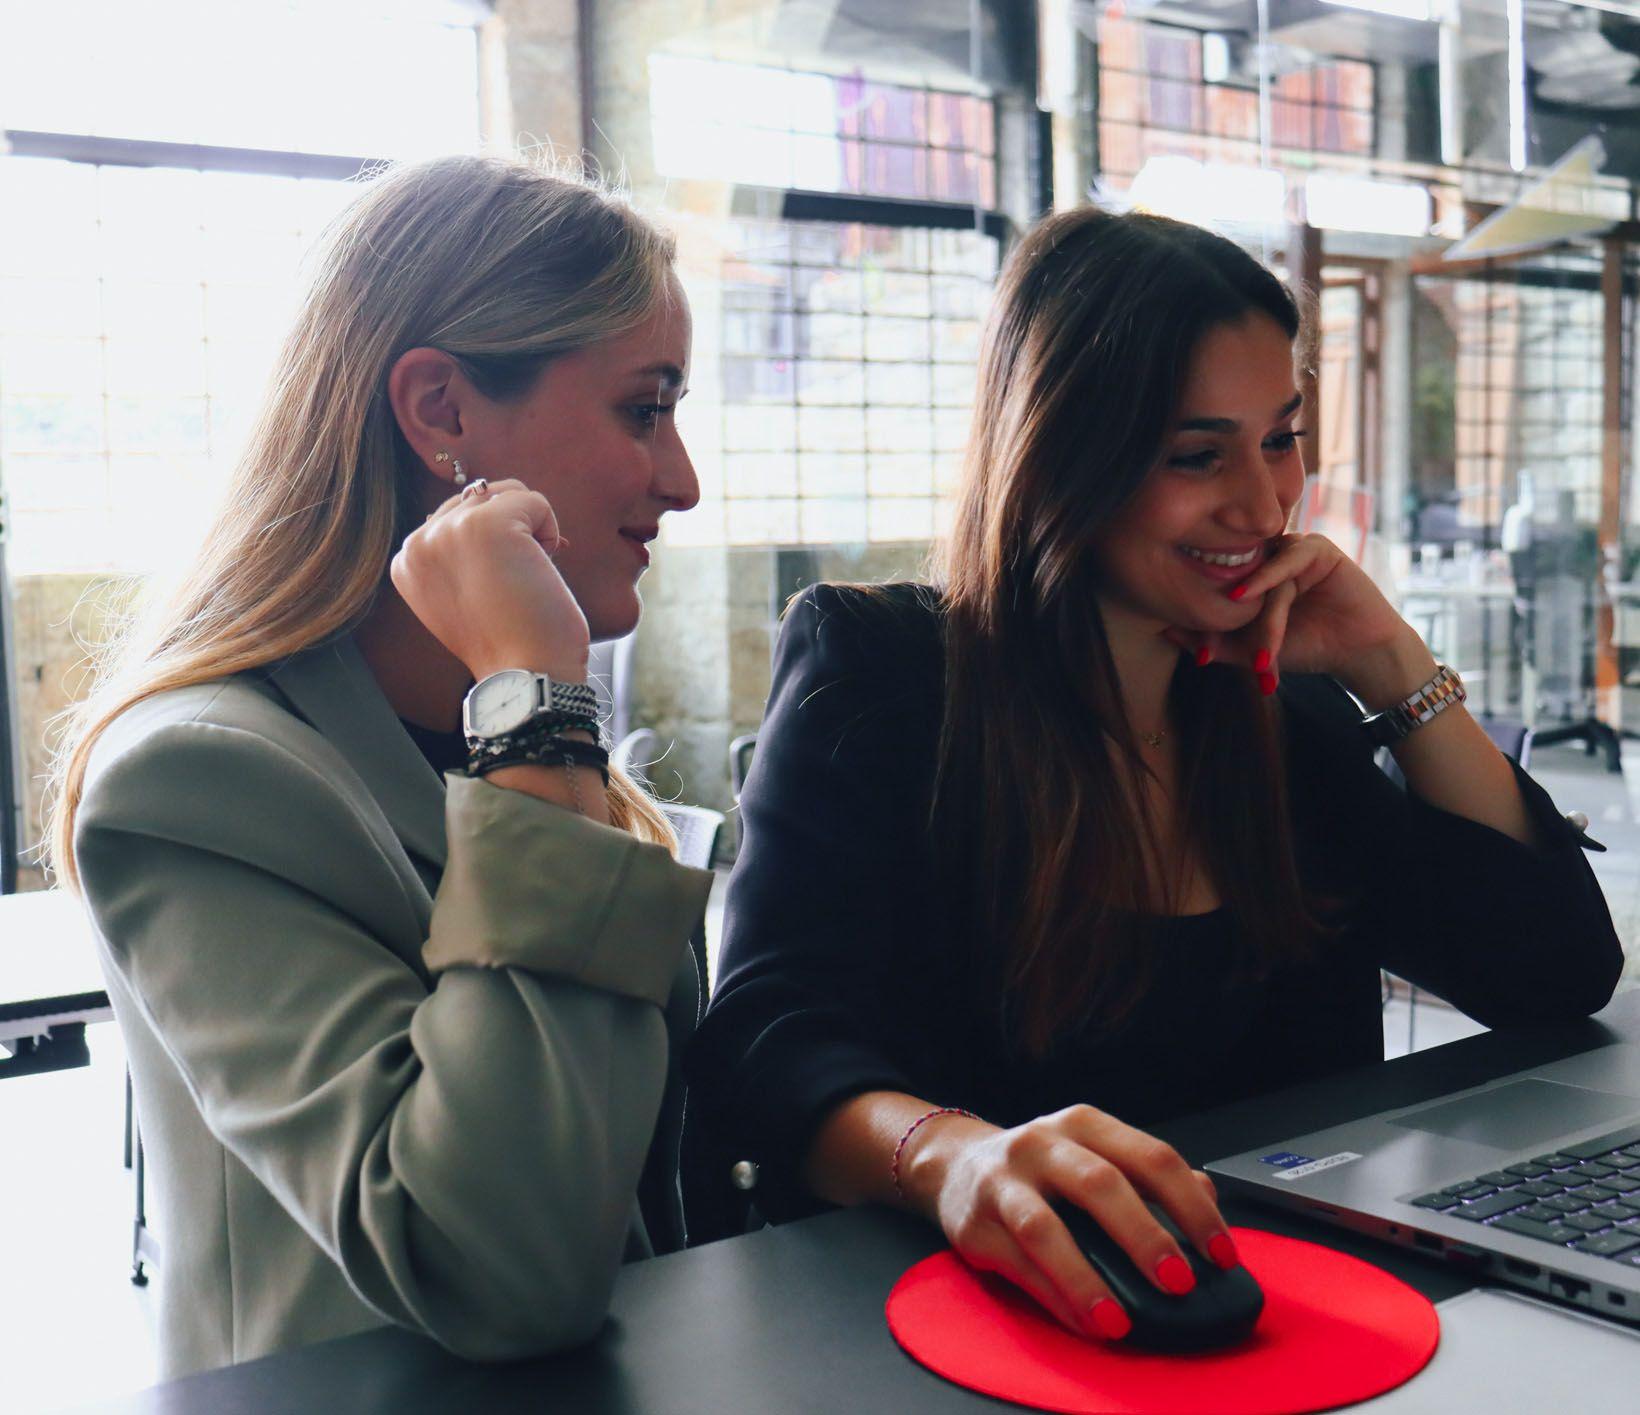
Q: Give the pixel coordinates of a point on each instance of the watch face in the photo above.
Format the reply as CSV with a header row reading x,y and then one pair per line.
x,y
500,703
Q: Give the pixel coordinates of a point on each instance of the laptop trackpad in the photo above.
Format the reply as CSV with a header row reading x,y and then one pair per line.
x,y
1521,1114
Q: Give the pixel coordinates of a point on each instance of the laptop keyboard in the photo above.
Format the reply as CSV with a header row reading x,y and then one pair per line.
x,y
1585,1197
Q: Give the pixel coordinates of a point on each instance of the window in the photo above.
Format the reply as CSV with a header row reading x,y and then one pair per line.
x,y
814,132
370,78
845,348
1528,390
141,307
138,323
846,373
1510,388
1154,101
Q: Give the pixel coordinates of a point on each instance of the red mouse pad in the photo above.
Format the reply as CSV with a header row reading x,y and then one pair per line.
x,y
1334,1330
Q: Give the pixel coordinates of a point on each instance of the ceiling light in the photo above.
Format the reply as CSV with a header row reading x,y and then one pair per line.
x,y
1209,193
1364,204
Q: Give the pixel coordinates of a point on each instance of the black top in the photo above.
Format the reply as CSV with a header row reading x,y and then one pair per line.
x,y
842,969
445,751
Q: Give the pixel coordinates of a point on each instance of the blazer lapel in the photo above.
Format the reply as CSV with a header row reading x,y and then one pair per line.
x,y
333,687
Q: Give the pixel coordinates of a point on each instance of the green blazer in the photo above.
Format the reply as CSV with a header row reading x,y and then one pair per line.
x,y
398,1049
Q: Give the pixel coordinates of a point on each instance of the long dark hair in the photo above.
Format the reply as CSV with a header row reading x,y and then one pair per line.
x,y
1043,838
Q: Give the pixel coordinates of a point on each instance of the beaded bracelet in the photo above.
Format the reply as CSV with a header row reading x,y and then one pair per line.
x,y
541,751
912,1129
547,725
486,753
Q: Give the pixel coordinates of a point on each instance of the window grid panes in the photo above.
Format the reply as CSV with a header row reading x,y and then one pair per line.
x,y
139,318
1528,393
1153,101
846,380
1516,360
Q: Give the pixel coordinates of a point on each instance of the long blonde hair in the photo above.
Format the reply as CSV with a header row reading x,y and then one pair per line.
x,y
501,263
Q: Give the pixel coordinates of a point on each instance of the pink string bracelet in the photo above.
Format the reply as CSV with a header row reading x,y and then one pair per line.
x,y
912,1129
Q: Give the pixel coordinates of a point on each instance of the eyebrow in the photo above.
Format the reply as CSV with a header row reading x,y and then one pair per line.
x,y
670,375
1286,410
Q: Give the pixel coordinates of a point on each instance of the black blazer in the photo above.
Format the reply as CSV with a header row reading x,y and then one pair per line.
x,y
844,969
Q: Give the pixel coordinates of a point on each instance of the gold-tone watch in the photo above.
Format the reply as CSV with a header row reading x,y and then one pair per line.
x,y
1444,690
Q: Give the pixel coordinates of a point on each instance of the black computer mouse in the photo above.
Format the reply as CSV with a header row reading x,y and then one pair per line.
x,y
1219,1311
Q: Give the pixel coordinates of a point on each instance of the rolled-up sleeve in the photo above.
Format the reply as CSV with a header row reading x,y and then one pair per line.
x,y
528,885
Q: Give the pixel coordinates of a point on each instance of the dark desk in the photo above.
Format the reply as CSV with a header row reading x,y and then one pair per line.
x,y
791,1319
50,984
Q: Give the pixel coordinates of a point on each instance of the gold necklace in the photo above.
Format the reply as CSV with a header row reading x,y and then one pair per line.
x,y
1154,739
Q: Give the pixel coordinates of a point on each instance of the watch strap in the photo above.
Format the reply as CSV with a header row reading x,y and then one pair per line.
x,y
1444,690
568,699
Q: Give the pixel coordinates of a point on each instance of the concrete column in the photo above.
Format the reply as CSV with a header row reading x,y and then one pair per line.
x,y
1067,90
1388,553
1388,556
529,87
1390,105
54,617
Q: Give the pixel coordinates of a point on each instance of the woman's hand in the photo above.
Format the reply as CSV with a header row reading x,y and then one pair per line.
x,y
990,1191
479,575
1319,612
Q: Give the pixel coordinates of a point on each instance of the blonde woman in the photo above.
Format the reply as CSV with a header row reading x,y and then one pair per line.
x,y
399,1039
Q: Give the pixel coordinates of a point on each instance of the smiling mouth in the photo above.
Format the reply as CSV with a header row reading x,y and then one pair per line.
x,y
1228,559
639,541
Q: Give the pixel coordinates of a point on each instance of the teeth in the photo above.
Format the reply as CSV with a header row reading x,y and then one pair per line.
x,y
1213,558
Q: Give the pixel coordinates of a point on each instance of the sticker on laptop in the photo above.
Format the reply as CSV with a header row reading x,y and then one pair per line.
x,y
1309,1167
1285,1159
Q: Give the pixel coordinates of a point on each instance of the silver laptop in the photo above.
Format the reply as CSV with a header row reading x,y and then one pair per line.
x,y
1532,1179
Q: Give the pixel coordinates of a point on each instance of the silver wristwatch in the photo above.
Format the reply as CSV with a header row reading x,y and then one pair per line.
x,y
513,700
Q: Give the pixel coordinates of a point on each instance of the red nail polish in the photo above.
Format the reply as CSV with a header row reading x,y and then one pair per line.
x,y
1109,1320
1174,1275
1267,683
1222,1250
1261,661
1238,591
1204,656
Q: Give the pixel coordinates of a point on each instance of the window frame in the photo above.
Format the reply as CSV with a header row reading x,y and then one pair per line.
x,y
111,152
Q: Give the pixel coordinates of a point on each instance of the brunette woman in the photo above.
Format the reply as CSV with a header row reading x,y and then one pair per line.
x,y
1088,833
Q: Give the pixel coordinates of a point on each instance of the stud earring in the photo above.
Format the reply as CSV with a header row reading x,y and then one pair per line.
x,y
460,477
441,456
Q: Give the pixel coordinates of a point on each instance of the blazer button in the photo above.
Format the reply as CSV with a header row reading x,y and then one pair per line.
x,y
743,1175
1577,820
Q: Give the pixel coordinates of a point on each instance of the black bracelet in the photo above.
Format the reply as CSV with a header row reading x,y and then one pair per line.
x,y
547,725
538,750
